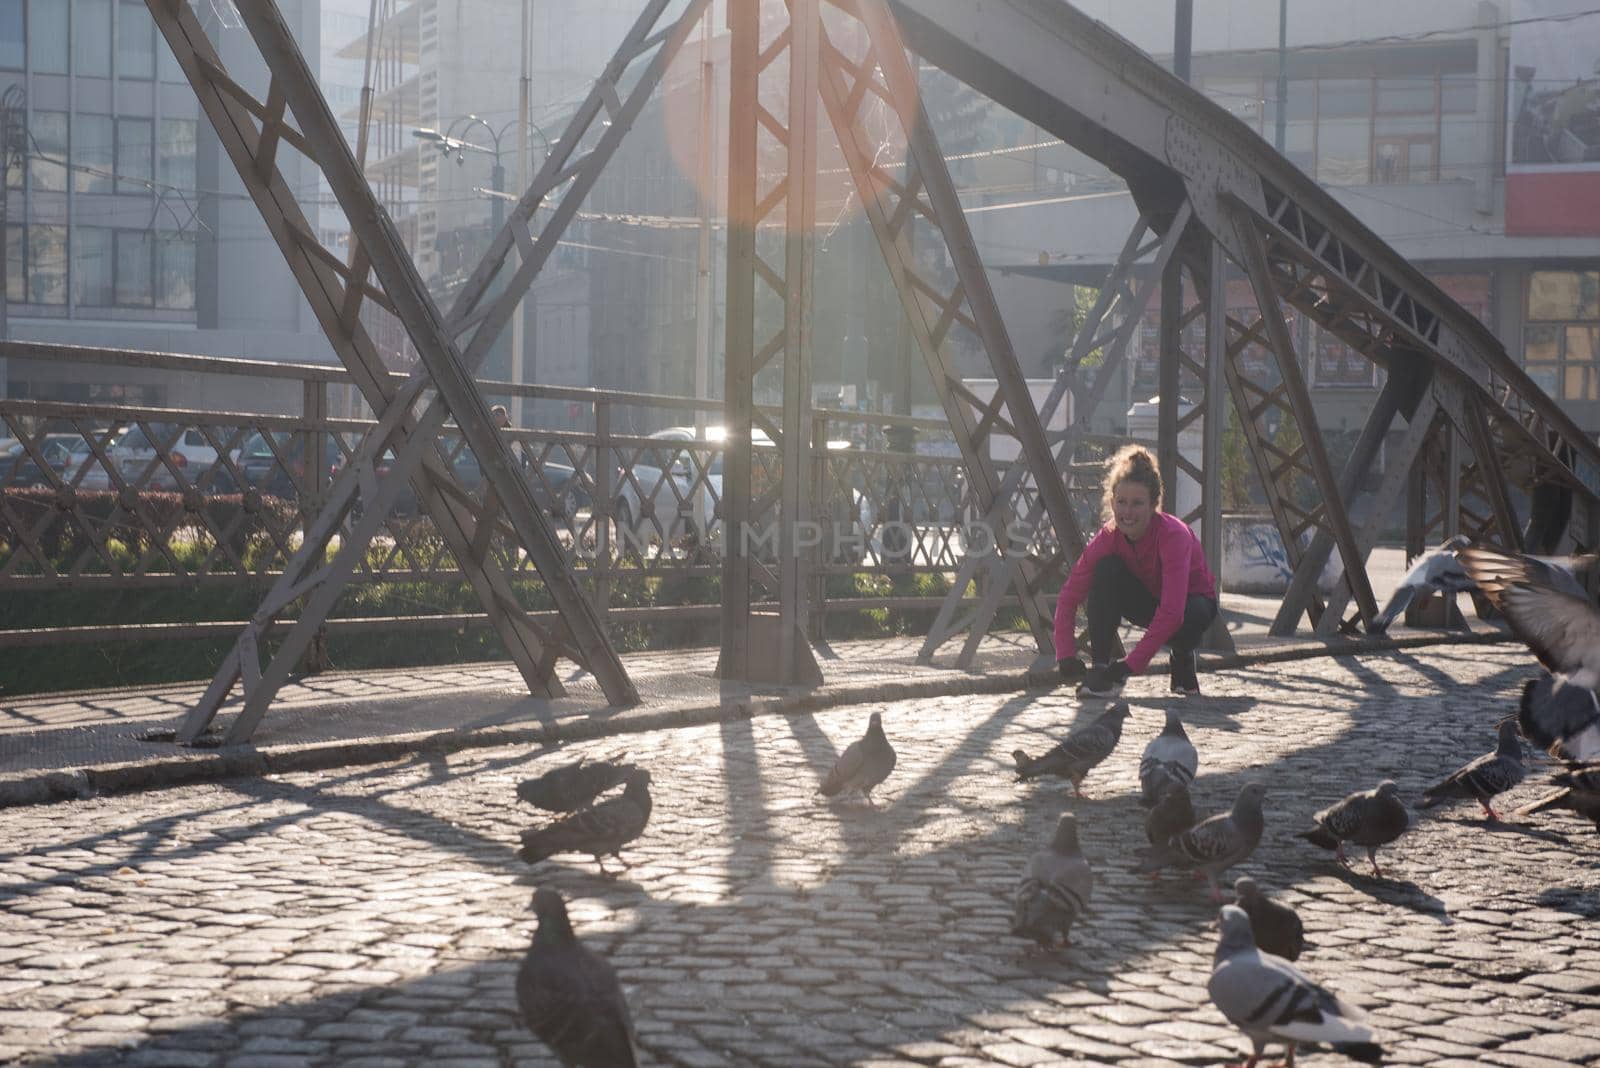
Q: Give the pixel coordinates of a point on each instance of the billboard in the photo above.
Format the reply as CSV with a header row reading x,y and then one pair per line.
x,y
1553,119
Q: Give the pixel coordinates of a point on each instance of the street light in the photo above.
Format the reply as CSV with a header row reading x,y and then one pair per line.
x,y
453,142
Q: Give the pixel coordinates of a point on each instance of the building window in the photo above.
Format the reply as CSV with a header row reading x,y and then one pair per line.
x,y
177,153
1559,337
133,268
167,64
93,158
134,162
175,271
136,45
12,41
47,43
47,150
16,265
91,38
47,264
91,266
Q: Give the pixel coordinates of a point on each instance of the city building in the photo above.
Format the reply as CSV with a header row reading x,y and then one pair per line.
x,y
126,225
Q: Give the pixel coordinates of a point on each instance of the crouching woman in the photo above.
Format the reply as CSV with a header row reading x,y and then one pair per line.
x,y
1144,566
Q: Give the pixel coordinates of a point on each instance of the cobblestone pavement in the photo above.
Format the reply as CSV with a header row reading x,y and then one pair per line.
x,y
376,915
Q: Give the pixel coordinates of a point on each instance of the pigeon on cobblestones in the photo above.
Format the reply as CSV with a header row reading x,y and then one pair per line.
x,y
1054,890
1368,818
1212,847
1079,752
864,764
601,830
1168,761
1577,789
1173,815
1561,718
572,786
569,995
1491,774
1276,927
1271,1000
1437,572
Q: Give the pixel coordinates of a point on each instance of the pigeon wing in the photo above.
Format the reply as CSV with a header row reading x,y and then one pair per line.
x,y
1543,605
846,770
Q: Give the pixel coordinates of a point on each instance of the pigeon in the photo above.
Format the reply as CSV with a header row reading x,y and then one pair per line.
x,y
1561,717
1174,814
572,786
1079,752
1545,606
1276,928
1437,572
1369,818
1491,774
1054,890
602,829
1213,846
864,764
1271,1000
569,995
1577,789
1168,761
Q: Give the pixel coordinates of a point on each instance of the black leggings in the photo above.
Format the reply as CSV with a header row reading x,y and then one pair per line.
x,y
1116,594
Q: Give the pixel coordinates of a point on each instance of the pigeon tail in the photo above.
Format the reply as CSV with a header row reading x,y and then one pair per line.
x,y
1319,836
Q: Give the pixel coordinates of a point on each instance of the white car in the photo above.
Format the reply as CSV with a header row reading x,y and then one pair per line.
x,y
676,486
189,450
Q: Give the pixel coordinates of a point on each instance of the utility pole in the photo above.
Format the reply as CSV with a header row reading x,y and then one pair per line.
x,y
518,318
706,180
1281,133
1182,38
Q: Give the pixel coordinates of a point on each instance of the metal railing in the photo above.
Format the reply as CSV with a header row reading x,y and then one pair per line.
x,y
118,497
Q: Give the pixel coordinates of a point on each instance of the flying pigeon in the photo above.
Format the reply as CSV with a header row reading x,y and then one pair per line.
x,y
570,997
1168,761
1577,789
1276,927
1561,717
572,786
1545,606
1079,752
864,764
1271,1000
1054,890
603,829
1212,847
1437,572
1369,818
1173,814
1491,774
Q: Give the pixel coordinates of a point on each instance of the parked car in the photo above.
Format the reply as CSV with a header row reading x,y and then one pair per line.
x,y
680,503
19,469
190,452
559,493
261,466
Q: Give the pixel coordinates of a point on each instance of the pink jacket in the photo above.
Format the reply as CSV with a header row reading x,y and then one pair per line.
x,y
1168,560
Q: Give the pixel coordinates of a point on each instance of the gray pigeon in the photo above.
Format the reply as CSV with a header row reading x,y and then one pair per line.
x,y
1079,752
1491,774
864,764
569,995
1276,927
1561,718
1369,818
1174,814
1437,572
1214,845
1168,761
1577,789
1545,606
603,829
1271,1000
572,786
1054,890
